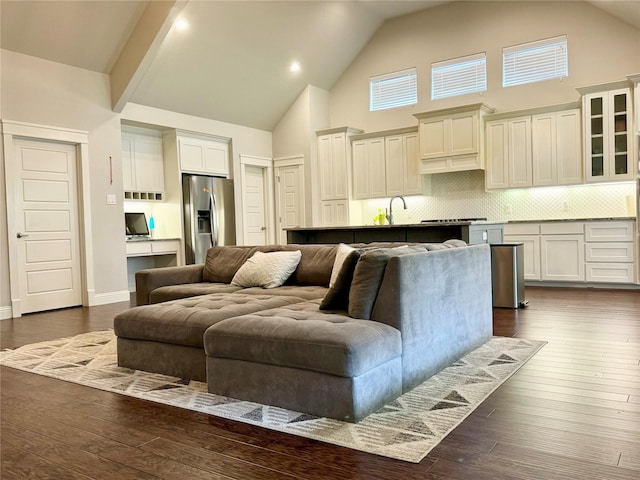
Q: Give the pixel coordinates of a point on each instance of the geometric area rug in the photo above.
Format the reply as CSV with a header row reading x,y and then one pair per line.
x,y
405,429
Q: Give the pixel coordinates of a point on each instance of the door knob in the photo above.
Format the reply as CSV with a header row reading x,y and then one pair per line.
x,y
263,228
22,235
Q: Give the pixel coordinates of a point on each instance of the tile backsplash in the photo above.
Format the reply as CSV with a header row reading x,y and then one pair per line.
x,y
463,195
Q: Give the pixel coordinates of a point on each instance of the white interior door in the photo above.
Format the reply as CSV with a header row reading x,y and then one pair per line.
x,y
290,198
46,222
255,200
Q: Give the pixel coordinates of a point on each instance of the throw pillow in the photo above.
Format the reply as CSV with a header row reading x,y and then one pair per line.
x,y
341,254
367,278
267,270
337,298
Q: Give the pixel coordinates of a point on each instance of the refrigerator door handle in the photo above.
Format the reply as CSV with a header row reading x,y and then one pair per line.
x,y
213,209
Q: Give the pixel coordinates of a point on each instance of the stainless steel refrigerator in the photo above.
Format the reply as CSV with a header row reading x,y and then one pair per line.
x,y
209,215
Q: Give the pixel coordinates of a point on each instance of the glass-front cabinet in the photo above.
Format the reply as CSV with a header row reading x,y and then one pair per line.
x,y
608,136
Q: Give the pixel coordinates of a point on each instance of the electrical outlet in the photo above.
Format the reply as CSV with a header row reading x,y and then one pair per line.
x,y
111,199
565,207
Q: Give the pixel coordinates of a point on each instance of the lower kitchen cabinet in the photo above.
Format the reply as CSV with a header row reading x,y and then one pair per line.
x,y
334,212
592,251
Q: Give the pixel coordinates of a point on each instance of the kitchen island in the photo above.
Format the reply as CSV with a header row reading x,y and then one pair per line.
x,y
427,232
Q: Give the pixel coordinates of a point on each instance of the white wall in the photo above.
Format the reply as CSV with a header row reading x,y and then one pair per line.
x,y
48,93
601,49
295,135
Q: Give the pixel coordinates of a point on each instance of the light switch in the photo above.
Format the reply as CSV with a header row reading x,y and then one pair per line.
x,y
484,236
111,199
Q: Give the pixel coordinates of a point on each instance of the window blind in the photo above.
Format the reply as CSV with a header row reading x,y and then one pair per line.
x,y
393,90
459,76
535,61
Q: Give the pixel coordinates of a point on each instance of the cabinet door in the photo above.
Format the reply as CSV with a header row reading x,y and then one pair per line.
x,y
360,170
334,213
148,164
395,165
531,246
520,167
463,134
191,155
203,156
562,258
128,168
327,188
340,168
216,156
411,166
376,165
569,147
434,137
543,149
621,146
497,150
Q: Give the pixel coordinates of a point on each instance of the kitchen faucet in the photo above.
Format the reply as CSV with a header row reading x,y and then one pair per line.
x,y
390,214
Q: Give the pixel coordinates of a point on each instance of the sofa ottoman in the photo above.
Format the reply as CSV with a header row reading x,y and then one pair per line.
x,y
168,337
324,364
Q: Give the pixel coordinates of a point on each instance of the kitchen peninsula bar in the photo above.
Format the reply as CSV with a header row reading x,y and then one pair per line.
x,y
429,232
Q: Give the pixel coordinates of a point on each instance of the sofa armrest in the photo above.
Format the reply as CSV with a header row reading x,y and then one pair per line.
x,y
441,302
152,278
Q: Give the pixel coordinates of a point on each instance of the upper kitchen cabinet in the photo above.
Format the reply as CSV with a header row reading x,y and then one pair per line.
x,y
386,164
451,140
608,139
333,162
203,154
533,148
142,164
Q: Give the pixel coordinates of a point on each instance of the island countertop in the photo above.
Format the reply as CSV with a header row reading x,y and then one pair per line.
x,y
473,231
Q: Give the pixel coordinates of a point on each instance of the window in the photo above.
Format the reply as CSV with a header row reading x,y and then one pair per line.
x,y
459,76
393,90
535,61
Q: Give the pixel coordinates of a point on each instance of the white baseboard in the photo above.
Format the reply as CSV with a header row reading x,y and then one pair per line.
x,y
110,297
5,313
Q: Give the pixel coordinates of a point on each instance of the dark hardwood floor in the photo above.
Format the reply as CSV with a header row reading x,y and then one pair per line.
x,y
573,412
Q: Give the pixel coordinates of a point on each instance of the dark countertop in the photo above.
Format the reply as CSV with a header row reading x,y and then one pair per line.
x,y
398,226
149,239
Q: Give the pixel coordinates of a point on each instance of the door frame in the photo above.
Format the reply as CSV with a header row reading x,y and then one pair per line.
x,y
266,164
293,161
10,131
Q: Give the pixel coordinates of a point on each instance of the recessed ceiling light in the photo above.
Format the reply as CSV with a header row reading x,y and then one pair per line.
x,y
181,24
295,67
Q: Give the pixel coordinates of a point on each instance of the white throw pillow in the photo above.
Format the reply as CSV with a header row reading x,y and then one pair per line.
x,y
268,270
342,253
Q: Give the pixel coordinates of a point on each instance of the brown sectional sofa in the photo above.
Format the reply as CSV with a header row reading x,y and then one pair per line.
x,y
417,310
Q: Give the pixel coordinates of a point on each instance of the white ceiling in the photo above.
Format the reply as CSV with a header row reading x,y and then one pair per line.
x,y
231,64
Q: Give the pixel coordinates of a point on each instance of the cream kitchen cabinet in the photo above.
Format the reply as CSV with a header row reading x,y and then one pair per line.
x,y
451,140
540,148
608,136
529,235
609,251
142,164
203,154
385,166
369,168
333,162
334,213
562,252
556,145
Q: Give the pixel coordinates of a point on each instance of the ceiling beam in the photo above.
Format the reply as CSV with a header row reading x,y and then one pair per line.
x,y
141,48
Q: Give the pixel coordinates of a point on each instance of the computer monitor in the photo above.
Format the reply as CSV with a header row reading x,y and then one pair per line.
x,y
136,225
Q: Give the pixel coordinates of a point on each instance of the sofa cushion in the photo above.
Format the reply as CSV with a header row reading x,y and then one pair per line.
x,y
184,321
222,263
308,292
367,277
186,290
267,270
305,339
341,254
315,265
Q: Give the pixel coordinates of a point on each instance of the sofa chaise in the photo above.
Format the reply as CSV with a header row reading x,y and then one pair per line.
x,y
391,318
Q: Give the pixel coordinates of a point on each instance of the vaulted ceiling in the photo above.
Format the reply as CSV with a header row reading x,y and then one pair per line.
x,y
231,62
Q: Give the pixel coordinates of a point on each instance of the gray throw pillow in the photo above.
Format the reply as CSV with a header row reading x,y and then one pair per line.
x,y
367,278
337,298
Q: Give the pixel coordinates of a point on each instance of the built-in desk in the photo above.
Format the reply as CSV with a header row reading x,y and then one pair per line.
x,y
431,232
151,253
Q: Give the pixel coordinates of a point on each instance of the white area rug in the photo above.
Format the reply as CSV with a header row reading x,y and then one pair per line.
x,y
406,429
